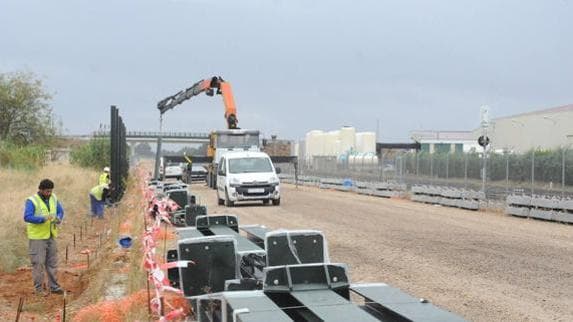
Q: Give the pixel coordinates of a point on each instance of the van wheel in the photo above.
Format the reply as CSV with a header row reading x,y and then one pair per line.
x,y
220,201
266,201
276,202
228,201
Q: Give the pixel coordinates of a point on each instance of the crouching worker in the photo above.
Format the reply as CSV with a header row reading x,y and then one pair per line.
x,y
43,213
97,199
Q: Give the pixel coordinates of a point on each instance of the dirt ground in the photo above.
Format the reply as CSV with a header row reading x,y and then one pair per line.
x,y
483,266
74,275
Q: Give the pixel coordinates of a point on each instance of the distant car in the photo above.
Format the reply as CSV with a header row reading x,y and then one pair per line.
x,y
198,173
173,170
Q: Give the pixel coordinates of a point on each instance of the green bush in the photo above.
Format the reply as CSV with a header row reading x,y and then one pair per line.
x,y
21,157
95,154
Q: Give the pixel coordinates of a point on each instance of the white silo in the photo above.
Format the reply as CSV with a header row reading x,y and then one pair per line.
x,y
368,142
359,143
348,138
312,143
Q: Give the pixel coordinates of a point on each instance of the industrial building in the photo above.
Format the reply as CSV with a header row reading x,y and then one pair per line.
x,y
542,129
445,141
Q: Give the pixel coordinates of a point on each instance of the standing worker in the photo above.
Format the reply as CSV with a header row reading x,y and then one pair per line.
x,y
43,213
97,199
104,177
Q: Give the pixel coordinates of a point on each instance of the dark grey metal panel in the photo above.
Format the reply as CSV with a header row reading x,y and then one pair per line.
x,y
204,222
243,244
180,196
261,308
305,277
256,234
329,306
192,212
215,263
402,304
190,232
173,273
294,248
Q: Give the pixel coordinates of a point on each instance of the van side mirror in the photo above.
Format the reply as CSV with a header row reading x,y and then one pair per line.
x,y
221,172
278,170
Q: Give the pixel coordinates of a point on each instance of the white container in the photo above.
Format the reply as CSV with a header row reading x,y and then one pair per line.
x,y
313,144
360,142
330,139
368,142
319,140
348,139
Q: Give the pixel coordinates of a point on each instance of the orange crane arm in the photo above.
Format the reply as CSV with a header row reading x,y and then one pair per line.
x,y
208,86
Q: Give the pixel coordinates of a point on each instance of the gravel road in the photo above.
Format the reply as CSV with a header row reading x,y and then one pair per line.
x,y
481,265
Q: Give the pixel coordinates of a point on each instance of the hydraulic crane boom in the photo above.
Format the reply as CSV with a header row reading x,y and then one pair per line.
x,y
208,86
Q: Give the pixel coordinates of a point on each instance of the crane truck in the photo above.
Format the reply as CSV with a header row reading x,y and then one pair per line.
x,y
220,141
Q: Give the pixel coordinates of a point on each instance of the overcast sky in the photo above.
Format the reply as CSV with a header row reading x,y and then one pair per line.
x,y
295,65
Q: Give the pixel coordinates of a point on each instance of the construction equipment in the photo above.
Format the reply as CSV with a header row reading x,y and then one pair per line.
x,y
215,85
220,141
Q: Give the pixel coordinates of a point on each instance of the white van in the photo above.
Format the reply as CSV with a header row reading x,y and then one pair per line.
x,y
247,176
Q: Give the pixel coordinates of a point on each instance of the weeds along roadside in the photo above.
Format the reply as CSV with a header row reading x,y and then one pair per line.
x,y
72,185
92,305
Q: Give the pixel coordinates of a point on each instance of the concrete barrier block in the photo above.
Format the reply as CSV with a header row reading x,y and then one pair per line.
x,y
517,211
561,216
541,214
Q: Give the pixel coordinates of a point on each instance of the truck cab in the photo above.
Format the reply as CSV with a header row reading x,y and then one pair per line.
x,y
223,141
247,176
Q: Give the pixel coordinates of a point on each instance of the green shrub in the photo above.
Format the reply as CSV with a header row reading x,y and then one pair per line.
x,y
94,154
22,157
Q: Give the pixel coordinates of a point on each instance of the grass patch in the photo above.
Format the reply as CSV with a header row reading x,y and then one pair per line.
x,y
21,157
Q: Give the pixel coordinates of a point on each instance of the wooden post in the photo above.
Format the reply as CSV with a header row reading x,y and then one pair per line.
x,y
20,306
64,310
148,297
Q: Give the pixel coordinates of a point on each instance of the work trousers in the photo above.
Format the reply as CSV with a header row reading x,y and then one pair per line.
x,y
44,256
97,207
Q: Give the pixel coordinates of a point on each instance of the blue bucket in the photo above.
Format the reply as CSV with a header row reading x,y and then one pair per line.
x,y
125,242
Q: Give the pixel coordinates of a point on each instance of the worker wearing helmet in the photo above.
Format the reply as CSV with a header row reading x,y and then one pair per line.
x,y
98,194
104,177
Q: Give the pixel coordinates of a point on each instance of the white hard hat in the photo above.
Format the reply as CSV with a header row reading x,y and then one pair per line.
x,y
106,169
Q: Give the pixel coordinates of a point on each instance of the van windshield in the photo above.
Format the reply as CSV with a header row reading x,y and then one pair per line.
x,y
246,165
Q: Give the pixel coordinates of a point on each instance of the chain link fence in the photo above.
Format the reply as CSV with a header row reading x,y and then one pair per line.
x,y
548,173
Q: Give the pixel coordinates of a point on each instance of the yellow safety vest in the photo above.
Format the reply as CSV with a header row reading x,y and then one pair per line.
x,y
104,178
48,228
97,191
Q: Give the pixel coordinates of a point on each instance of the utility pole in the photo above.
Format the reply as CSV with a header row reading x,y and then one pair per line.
x,y
158,153
484,142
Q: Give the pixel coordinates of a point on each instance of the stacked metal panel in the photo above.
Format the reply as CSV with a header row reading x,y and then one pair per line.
x,y
281,275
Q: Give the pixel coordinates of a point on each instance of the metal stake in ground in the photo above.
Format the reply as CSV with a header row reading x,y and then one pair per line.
x,y
64,309
20,306
165,241
148,297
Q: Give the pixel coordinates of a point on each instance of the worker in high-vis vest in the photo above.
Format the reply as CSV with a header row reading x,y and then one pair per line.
x,y
98,194
43,213
104,177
